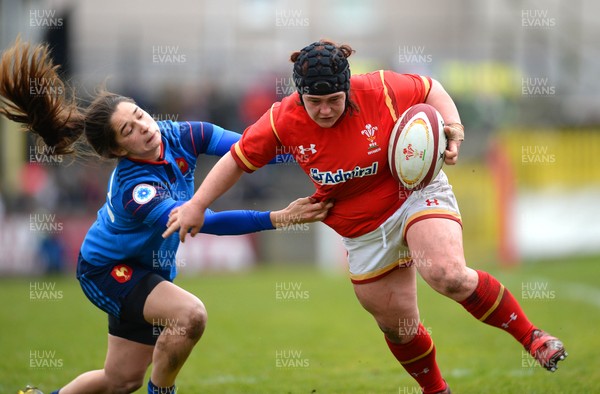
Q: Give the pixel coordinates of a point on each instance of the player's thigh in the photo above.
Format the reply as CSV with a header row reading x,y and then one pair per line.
x,y
391,297
127,361
169,304
437,247
435,240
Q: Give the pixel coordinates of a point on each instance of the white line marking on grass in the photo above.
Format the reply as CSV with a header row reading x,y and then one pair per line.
x,y
521,372
460,372
575,291
226,379
583,293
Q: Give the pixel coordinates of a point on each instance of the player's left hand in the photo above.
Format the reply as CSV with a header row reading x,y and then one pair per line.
x,y
451,153
184,218
455,134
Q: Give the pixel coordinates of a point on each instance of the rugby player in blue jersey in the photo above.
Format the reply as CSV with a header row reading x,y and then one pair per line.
x,y
125,267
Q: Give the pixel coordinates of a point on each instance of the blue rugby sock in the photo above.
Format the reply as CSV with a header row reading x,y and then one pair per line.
x,y
153,389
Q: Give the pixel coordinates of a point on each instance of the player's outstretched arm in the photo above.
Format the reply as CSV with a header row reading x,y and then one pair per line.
x,y
237,222
302,210
441,100
189,217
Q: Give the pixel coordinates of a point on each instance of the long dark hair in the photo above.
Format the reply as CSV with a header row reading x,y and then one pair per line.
x,y
33,93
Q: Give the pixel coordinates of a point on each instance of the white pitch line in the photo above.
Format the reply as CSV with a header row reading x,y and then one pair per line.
x,y
226,379
583,293
460,372
574,291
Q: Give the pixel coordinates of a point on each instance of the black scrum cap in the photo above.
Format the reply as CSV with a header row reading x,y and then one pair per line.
x,y
321,69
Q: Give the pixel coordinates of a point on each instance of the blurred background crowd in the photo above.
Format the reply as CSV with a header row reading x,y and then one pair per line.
x,y
523,74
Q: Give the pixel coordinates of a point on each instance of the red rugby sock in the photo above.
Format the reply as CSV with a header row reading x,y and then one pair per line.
x,y
418,358
493,304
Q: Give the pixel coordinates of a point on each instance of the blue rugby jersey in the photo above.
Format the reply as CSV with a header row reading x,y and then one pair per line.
x,y
140,195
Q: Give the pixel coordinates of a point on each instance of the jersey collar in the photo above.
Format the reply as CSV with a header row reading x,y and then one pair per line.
x,y
161,160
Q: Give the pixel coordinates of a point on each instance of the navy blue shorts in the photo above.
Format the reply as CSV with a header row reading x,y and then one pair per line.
x,y
121,291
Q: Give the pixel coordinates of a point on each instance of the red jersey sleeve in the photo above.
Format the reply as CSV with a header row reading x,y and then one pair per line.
x,y
404,90
259,143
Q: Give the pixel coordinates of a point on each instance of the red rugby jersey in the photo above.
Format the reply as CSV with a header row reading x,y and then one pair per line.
x,y
347,162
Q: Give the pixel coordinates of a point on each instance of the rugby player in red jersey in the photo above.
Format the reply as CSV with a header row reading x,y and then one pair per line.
x,y
338,130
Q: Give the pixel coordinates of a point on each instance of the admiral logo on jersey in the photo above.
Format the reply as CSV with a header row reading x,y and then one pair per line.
x,y
333,178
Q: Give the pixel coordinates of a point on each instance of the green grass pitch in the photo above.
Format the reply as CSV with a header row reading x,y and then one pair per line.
x,y
292,330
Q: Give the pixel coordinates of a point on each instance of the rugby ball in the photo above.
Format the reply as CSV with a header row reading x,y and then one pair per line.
x,y
416,147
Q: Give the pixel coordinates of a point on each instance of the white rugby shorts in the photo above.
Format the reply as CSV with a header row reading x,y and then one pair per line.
x,y
377,253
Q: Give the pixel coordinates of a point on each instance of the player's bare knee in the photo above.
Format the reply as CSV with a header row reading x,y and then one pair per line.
x,y
198,321
452,285
195,320
435,276
447,279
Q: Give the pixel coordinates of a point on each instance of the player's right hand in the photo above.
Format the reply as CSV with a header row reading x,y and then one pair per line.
x,y
302,210
187,217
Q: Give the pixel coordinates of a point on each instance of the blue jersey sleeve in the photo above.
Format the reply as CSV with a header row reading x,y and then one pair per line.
x,y
235,222
147,202
228,222
207,138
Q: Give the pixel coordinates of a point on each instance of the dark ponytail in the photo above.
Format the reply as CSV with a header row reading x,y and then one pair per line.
x,y
33,94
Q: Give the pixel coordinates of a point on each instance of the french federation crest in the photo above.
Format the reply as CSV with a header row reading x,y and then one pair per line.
x,y
182,164
121,273
143,193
